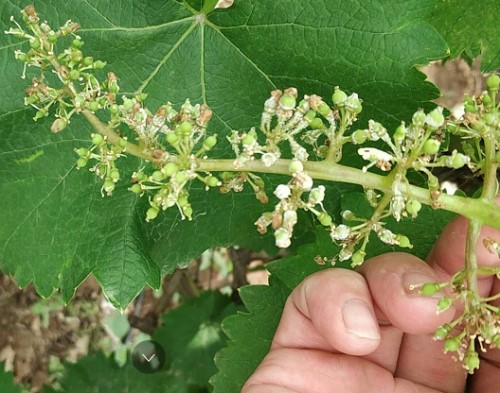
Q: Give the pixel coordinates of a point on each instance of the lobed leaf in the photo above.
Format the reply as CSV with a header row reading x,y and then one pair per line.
x,y
55,228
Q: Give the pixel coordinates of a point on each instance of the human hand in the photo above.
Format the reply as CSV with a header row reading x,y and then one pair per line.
x,y
366,331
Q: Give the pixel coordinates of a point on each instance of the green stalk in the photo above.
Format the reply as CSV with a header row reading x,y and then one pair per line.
x,y
486,212
483,209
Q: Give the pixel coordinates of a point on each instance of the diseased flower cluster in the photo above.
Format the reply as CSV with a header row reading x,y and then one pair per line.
x,y
291,199
292,135
478,327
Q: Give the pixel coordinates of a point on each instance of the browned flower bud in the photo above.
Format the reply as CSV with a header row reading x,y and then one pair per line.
x,y
58,125
291,91
204,116
31,13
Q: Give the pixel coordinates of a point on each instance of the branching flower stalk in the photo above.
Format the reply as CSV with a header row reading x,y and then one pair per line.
x,y
175,145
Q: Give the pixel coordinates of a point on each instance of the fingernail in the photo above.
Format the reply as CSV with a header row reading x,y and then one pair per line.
x,y
359,319
413,280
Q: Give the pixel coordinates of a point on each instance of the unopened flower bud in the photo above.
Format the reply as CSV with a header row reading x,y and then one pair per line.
x,y
435,118
287,102
444,303
338,96
431,146
325,219
493,82
430,288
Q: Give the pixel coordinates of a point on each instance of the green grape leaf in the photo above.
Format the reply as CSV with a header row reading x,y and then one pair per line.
x,y
191,335
471,29
250,335
55,228
7,382
97,373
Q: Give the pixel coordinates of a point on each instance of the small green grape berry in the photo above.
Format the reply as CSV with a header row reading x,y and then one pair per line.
x,y
444,303
99,64
88,61
188,211
77,43
471,360
316,123
338,96
486,99
74,74
325,219
359,136
210,142
23,57
158,176
248,140
185,128
114,109
114,174
182,201
32,99
403,241
52,37
442,332
81,162
310,114
358,258
152,213
170,169
418,118
109,184
136,188
93,106
77,56
82,152
470,108
429,289
324,110
413,207
211,181
493,82
457,161
97,139
35,43
140,176
452,344
287,102
431,146
399,134
172,139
